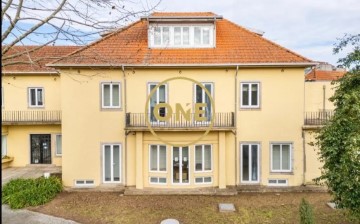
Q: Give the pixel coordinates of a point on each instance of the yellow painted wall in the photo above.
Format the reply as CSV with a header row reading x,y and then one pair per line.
x,y
15,89
313,163
279,119
314,96
85,126
18,142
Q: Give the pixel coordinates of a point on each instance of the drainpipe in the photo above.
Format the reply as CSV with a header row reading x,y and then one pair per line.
x,y
125,144
235,121
324,97
304,156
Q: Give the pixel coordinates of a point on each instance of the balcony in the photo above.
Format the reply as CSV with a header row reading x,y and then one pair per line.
x,y
222,121
30,117
318,118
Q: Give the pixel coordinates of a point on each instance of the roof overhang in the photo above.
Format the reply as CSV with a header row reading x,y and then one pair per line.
x,y
29,73
181,18
244,65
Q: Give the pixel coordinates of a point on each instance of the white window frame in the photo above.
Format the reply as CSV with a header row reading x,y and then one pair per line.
x,y
203,97
158,159
172,164
111,95
203,159
36,97
277,182
56,145
203,182
84,184
157,92
157,183
250,95
241,162
112,159
171,44
290,157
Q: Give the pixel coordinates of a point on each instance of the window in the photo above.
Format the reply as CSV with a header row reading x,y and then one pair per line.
x,y
203,180
36,97
250,95
160,96
250,163
202,97
58,145
281,157
277,182
84,183
3,145
112,166
192,35
111,95
158,180
157,158
203,160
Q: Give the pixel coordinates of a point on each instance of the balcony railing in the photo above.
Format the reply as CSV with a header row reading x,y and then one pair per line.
x,y
318,118
221,120
31,117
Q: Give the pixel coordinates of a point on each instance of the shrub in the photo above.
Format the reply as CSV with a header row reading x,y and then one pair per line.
x,y
20,193
306,213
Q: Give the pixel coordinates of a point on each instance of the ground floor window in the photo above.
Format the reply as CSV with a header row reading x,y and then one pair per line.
x,y
3,145
250,163
157,158
281,157
58,145
203,155
111,163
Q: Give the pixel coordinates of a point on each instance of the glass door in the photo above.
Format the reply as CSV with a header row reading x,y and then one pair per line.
x,y
180,165
250,163
158,97
202,97
40,149
112,163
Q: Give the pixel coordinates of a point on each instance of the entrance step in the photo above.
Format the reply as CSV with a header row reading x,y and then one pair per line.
x,y
182,191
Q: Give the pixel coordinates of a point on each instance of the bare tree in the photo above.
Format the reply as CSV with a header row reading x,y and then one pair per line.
x,y
49,22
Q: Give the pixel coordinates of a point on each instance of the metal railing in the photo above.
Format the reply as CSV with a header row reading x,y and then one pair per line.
x,y
221,120
31,117
318,118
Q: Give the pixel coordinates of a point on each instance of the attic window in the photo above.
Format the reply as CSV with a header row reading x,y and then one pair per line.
x,y
182,36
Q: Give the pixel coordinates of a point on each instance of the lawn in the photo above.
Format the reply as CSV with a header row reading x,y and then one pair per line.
x,y
96,207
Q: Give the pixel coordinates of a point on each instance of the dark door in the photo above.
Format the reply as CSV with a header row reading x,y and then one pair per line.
x,y
40,149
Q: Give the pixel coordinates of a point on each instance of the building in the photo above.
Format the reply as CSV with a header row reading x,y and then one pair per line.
x,y
174,100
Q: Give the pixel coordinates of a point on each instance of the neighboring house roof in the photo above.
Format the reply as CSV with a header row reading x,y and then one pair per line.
x,y
33,61
185,14
322,75
234,45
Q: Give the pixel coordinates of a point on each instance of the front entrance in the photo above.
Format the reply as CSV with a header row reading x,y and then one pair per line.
x,y
180,165
112,163
250,163
40,149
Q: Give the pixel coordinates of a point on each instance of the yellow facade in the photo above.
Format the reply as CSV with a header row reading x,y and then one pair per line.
x,y
317,94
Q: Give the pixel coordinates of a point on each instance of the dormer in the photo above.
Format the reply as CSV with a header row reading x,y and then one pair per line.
x,y
182,30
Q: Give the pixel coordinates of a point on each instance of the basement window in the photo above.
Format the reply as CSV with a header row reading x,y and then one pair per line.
x,y
158,180
84,183
277,182
203,180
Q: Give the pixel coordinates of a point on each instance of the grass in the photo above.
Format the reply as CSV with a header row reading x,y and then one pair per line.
x,y
101,207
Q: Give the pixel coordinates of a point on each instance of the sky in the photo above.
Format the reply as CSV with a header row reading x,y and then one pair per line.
x,y
308,27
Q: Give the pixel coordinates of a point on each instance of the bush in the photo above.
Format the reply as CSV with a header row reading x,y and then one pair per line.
x,y
20,193
306,213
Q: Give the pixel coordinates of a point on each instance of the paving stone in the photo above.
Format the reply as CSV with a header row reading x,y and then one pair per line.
x,y
331,205
170,221
226,207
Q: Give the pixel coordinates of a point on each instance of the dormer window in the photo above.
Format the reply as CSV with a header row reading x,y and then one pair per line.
x,y
181,36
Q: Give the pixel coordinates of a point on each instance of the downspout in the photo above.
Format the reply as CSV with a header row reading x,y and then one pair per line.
x,y
324,97
125,111
235,121
303,135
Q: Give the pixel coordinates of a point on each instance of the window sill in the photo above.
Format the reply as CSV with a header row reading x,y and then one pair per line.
x,y
110,109
36,107
249,108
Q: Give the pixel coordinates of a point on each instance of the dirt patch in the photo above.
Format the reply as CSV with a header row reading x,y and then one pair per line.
x,y
95,207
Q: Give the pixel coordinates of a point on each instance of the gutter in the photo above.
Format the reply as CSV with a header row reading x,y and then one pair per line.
x,y
245,65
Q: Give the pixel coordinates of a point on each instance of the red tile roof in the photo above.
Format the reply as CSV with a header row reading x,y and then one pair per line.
x,y
321,75
234,44
34,61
